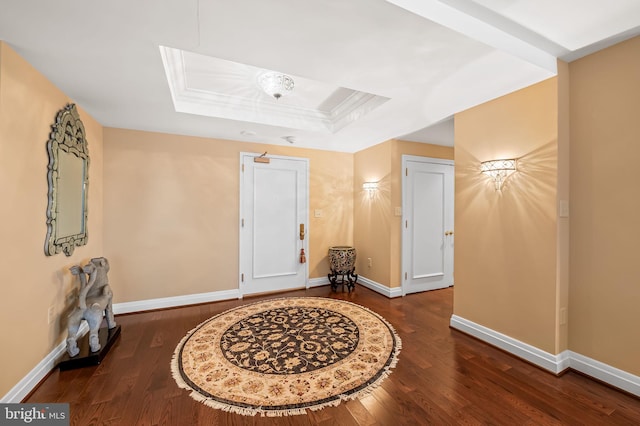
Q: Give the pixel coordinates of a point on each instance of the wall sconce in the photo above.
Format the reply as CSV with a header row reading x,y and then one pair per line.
x,y
499,170
370,187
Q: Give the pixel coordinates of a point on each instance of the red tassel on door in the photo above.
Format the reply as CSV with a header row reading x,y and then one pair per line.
x,y
303,258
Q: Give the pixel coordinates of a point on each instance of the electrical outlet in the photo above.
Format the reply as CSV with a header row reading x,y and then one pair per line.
x,y
51,314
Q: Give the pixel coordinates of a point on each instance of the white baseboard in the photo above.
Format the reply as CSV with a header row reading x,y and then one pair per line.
x,y
40,371
606,373
175,301
216,296
550,362
553,363
31,380
366,282
390,292
318,282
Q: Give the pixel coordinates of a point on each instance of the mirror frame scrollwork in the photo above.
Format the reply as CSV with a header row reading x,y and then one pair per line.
x,y
68,136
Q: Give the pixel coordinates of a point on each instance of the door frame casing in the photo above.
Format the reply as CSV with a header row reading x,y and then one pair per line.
x,y
405,258
242,156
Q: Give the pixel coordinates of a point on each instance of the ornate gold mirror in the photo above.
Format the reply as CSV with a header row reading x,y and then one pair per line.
x,y
68,177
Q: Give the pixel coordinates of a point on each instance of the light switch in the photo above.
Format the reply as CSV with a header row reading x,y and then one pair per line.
x,y
398,211
564,208
563,316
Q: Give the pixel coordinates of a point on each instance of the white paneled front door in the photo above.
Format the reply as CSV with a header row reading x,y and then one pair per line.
x,y
427,222
273,207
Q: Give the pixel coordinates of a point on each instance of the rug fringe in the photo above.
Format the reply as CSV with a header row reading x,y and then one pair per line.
x,y
247,411
175,367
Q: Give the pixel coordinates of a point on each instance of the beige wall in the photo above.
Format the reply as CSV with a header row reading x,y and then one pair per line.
x,y
32,282
605,229
172,209
182,211
513,263
378,232
373,215
506,242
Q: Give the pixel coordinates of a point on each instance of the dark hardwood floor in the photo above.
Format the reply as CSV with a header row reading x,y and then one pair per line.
x,y
444,377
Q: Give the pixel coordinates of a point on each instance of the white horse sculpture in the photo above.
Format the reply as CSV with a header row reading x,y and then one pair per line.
x,y
94,300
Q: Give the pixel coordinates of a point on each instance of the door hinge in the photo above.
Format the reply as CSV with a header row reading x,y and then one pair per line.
x,y
406,171
242,277
243,167
243,223
406,223
405,276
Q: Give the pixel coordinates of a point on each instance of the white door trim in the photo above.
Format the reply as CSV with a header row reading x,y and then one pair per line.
x,y
405,263
242,290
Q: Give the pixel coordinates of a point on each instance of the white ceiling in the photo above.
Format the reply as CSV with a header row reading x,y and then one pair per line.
x,y
430,58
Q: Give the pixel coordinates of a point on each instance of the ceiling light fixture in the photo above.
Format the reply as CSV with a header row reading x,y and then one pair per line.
x,y
275,84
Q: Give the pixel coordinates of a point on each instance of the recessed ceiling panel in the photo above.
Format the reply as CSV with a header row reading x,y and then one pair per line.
x,y
215,87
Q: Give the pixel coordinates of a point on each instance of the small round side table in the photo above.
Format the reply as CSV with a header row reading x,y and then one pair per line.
x,y
342,262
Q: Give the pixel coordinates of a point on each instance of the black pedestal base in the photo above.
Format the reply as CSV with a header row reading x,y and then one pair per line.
x,y
348,278
87,358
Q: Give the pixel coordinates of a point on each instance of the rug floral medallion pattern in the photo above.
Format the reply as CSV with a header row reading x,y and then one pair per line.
x,y
284,356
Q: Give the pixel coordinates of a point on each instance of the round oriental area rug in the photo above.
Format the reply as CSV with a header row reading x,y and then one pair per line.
x,y
284,356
